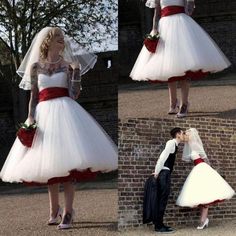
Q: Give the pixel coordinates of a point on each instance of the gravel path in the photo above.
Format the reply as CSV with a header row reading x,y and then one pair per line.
x,y
227,228
215,98
27,214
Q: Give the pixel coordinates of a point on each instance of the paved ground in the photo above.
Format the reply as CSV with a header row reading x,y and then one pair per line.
x,y
27,214
227,228
213,97
24,213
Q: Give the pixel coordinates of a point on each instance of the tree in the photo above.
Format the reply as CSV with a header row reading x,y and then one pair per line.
x,y
89,22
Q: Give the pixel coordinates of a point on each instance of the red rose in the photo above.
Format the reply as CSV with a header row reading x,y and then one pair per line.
x,y
26,135
151,42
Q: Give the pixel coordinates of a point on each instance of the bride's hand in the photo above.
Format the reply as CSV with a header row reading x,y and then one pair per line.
x,y
75,66
30,120
153,32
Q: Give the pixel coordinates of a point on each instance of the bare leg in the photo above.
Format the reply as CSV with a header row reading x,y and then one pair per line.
x,y
184,84
69,193
204,214
172,93
53,192
68,211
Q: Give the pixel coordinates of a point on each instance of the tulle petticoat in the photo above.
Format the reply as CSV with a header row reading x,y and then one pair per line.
x,y
68,143
184,50
204,186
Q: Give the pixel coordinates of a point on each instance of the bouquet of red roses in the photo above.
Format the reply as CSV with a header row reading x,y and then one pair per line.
x,y
26,134
151,42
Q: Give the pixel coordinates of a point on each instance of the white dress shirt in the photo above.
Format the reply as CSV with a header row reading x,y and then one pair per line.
x,y
169,148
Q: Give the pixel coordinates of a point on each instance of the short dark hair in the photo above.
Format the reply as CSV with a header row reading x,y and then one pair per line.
x,y
175,131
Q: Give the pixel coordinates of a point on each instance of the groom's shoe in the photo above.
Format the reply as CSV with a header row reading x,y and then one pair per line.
x,y
164,230
168,227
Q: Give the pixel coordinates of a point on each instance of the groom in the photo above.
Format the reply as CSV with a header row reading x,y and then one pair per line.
x,y
163,169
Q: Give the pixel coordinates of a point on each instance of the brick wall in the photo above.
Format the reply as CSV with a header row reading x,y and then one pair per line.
x,y
140,144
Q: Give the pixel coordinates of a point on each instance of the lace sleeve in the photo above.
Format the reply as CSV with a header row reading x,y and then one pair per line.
x,y
152,3
34,90
74,82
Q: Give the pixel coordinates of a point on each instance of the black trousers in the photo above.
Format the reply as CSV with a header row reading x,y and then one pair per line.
x,y
163,192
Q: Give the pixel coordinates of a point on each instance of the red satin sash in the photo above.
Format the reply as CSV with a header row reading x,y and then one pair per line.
x,y
172,10
54,92
198,161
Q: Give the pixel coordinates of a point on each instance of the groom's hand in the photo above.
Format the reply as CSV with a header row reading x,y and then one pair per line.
x,y
155,176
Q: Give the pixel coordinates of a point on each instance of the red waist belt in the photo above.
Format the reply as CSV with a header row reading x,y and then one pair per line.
x,y
172,10
50,93
198,161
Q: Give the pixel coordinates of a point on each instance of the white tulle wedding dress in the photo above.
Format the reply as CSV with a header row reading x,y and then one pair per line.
x,y
184,49
67,140
204,185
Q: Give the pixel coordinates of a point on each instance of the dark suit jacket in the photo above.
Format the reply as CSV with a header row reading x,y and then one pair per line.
x,y
150,200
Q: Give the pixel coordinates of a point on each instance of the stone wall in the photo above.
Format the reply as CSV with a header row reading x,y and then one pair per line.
x,y
140,144
99,94
7,127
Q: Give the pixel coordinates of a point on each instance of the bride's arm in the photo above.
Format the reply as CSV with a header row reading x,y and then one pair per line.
x,y
155,20
33,94
75,82
207,161
154,4
189,6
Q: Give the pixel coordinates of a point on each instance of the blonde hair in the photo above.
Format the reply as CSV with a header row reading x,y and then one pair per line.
x,y
47,42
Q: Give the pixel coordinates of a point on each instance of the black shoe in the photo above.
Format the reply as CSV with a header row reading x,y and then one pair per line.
x,y
168,227
164,230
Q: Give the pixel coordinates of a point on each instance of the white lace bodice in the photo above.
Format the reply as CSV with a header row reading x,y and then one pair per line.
x,y
165,3
58,79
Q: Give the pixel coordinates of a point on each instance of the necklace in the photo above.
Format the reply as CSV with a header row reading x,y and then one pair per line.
x,y
53,62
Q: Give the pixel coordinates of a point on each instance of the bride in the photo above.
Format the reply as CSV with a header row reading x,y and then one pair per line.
x,y
203,186
184,52
69,145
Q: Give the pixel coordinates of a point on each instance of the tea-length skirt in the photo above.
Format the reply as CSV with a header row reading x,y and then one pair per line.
x,y
67,139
